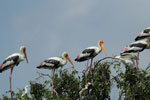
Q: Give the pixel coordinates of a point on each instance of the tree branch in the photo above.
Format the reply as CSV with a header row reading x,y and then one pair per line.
x,y
104,59
42,74
84,89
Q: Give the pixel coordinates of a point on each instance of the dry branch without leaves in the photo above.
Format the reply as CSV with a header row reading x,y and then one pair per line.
x,y
84,89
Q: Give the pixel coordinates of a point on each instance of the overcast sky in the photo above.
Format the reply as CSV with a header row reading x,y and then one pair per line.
x,y
49,27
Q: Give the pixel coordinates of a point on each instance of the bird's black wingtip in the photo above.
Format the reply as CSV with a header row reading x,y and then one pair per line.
x,y
75,59
1,71
38,67
136,39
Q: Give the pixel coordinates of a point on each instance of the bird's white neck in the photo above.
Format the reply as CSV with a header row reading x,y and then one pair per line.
x,y
99,45
64,59
22,53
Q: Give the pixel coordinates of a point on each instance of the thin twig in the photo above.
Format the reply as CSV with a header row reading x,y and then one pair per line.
x,y
120,95
42,74
148,67
56,93
53,90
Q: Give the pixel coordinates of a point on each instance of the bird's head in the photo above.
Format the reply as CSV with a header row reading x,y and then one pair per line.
x,y
23,50
65,54
101,44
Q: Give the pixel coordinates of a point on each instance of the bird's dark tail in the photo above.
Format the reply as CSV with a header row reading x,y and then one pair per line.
x,y
38,67
1,70
76,59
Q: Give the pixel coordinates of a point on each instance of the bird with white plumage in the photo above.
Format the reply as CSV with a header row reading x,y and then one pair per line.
x,y
54,63
13,60
127,59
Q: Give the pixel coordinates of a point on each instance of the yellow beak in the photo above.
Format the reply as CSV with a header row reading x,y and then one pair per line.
x,y
102,46
26,56
70,61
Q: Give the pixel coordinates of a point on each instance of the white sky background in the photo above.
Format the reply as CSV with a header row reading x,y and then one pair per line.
x,y
49,27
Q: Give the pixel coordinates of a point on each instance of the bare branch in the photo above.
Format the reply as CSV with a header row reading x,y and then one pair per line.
x,y
104,59
84,89
42,74
148,67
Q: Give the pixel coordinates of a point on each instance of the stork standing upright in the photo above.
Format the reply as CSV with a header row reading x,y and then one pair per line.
x,y
137,46
90,53
54,63
13,60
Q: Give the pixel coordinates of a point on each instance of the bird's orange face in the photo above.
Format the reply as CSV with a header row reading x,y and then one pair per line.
x,y
24,51
67,56
101,43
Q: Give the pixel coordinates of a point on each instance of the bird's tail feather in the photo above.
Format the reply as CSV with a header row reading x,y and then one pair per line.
x,y
1,69
40,65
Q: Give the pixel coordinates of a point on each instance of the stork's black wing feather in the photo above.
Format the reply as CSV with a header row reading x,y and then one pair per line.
x,y
90,51
146,31
10,62
52,61
142,37
139,45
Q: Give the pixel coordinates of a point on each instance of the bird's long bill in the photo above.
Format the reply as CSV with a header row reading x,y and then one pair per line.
x,y
70,61
102,45
26,56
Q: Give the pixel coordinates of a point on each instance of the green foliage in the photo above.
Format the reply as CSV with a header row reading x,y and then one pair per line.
x,y
101,86
133,83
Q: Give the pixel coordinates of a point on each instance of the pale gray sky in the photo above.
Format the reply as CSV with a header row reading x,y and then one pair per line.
x,y
49,27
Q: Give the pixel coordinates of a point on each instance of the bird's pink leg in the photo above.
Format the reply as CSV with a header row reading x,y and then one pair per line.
x,y
91,66
11,70
10,78
137,61
52,80
86,71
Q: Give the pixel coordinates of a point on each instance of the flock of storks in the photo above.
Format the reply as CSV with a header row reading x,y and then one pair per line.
x,y
142,41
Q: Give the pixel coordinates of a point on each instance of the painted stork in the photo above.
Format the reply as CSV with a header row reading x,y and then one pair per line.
x,y
90,53
13,60
127,59
137,46
54,63
144,34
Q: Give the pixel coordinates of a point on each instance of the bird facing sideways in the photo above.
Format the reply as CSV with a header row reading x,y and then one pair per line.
x,y
55,62
137,46
144,34
127,59
13,60
91,52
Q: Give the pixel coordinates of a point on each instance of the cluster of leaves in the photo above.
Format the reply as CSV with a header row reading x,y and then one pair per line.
x,y
133,83
101,83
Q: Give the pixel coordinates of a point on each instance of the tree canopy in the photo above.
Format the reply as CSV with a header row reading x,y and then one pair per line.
x,y
133,84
